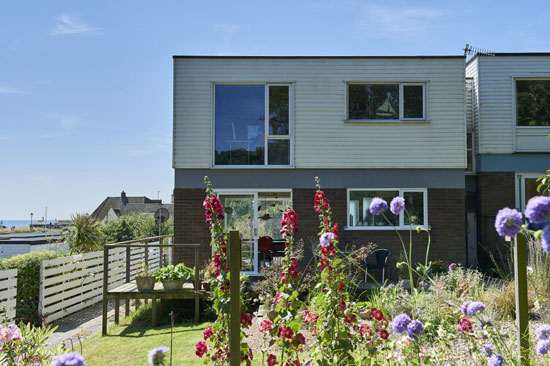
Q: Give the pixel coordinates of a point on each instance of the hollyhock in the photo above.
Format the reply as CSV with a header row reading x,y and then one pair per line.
x,y
201,348
271,360
207,333
301,339
508,222
365,330
246,319
266,326
286,332
384,334
377,314
320,202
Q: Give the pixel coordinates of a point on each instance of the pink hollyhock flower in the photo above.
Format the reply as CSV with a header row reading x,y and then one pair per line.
x,y
201,348
266,325
246,319
208,333
5,335
384,334
271,360
16,334
366,330
286,332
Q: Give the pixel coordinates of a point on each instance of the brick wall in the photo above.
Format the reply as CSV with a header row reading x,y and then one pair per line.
x,y
495,190
446,216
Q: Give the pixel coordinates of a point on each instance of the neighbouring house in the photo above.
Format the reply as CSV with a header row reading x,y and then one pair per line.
x,y
113,207
263,127
508,135
20,243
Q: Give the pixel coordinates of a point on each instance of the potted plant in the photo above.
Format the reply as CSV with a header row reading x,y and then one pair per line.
x,y
144,279
207,274
173,277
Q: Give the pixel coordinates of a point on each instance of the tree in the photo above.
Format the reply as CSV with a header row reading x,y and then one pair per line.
x,y
85,235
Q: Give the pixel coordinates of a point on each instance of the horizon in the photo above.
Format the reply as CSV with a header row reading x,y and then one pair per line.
x,y
86,88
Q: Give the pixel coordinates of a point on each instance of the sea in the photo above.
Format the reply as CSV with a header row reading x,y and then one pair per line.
x,y
16,223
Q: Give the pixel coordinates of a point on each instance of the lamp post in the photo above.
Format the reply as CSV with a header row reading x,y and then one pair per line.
x,y
31,219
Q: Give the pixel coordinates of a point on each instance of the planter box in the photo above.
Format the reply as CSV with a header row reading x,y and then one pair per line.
x,y
145,283
172,285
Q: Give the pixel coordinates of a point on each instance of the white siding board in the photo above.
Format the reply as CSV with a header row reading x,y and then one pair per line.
x,y
320,111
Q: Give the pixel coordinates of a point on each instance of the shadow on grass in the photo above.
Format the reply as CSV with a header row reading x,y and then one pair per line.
x,y
139,322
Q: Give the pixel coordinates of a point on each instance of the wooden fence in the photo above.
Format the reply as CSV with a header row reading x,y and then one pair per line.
x,y
69,284
8,293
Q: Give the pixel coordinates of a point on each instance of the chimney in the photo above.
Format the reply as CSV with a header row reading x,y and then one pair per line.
x,y
123,198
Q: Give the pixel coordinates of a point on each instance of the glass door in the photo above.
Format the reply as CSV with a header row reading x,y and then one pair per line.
x,y
241,213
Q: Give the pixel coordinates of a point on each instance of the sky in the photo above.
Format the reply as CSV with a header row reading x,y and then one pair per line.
x,y
86,86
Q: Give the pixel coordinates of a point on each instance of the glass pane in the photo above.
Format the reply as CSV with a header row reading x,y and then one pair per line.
x,y
533,102
278,152
414,206
373,101
239,215
469,167
278,110
240,122
270,213
413,101
531,189
359,202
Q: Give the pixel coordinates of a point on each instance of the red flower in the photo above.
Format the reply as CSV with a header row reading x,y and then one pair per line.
x,y
320,202
286,332
365,330
376,314
201,348
301,339
465,325
208,333
349,318
246,319
342,305
293,272
384,334
271,360
266,325
340,286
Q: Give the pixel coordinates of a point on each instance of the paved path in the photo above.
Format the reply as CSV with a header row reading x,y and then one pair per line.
x,y
81,325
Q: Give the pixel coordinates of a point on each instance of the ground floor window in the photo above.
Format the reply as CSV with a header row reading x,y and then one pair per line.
x,y
526,188
359,217
255,214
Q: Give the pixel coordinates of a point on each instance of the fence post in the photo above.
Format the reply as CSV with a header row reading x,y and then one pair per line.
x,y
146,242
522,318
197,284
127,301
105,288
235,298
41,290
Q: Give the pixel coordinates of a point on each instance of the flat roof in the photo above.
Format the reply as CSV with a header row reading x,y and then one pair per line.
x,y
318,57
511,54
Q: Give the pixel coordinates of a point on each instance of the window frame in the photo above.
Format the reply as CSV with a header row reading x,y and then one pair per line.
x,y
289,137
424,85
401,193
473,171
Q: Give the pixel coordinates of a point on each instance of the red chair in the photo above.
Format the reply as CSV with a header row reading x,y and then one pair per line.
x,y
265,245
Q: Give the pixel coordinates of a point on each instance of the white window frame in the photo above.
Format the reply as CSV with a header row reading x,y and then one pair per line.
x,y
515,100
267,137
424,117
520,187
401,193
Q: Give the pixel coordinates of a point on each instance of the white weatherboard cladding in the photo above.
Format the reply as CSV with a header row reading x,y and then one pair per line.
x,y
472,72
469,107
322,137
498,133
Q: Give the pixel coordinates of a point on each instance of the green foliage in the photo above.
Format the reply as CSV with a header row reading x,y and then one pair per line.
x,y
28,282
85,235
136,226
31,349
544,182
177,272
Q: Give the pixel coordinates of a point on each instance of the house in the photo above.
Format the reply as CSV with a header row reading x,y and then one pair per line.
x,y
113,207
509,129
263,127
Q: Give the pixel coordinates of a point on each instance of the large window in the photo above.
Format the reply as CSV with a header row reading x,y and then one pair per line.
x,y
386,102
359,217
244,136
533,102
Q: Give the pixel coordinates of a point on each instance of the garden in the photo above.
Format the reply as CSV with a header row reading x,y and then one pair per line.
x,y
320,314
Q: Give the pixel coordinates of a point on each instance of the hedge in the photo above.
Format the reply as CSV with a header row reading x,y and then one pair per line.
x,y
28,282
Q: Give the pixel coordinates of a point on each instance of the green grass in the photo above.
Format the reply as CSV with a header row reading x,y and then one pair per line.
x,y
130,342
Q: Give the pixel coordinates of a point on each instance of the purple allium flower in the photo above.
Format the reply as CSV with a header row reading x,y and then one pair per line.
x,y
543,332
326,239
414,328
378,206
508,222
543,347
68,359
156,356
464,307
545,239
488,349
452,267
397,205
537,210
495,360
474,307
400,323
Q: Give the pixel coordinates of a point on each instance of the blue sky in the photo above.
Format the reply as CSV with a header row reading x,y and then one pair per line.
x,y
86,87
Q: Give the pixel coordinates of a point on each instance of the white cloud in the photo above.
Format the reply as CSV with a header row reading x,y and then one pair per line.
x,y
396,22
8,90
67,24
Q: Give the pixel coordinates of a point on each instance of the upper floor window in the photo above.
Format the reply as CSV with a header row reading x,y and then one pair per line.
x,y
533,102
386,102
243,134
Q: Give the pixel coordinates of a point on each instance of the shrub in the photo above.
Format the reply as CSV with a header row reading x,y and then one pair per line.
x,y
28,282
85,235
